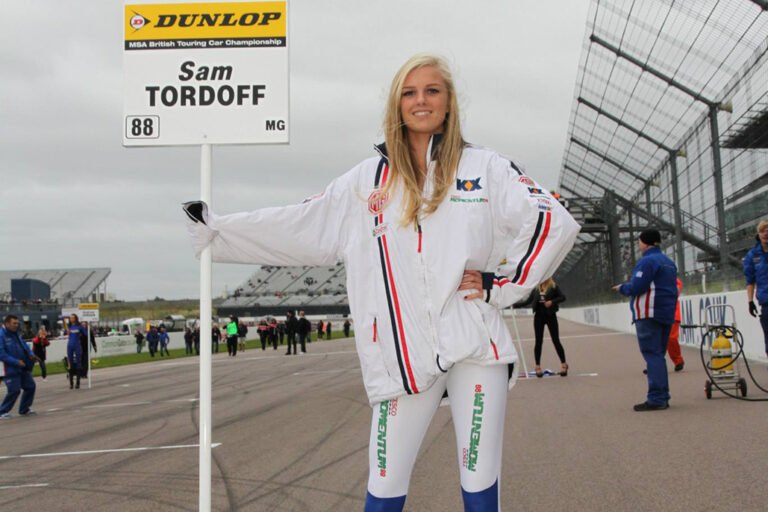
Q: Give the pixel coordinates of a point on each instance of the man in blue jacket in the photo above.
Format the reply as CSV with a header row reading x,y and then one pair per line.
x,y
18,360
756,275
653,292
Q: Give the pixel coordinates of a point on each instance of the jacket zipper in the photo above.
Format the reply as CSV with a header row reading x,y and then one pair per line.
x,y
427,297
419,228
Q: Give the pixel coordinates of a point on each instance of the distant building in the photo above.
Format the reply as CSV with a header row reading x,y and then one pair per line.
x,y
37,296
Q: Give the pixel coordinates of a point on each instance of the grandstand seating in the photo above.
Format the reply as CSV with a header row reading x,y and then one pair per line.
x,y
275,288
67,285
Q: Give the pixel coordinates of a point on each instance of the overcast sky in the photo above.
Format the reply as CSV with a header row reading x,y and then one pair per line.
x,y
73,196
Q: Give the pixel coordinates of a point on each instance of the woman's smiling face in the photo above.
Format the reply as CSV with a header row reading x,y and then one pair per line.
x,y
424,100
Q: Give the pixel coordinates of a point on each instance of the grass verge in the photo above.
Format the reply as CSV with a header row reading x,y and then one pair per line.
x,y
57,367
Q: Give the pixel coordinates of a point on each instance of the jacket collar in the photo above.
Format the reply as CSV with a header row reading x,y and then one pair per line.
x,y
432,148
652,250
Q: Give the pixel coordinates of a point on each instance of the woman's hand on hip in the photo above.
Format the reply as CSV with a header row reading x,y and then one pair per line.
x,y
472,280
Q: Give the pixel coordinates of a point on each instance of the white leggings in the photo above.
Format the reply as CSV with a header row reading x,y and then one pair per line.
x,y
478,398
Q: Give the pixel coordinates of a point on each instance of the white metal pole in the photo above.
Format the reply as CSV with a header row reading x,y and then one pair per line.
x,y
89,355
519,342
206,269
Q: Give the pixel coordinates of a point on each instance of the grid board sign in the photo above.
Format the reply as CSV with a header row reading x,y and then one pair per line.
x,y
205,73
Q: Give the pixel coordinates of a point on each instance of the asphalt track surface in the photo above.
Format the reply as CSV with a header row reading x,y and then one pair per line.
x,y
294,434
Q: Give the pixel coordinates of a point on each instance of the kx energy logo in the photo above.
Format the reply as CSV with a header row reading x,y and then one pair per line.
x,y
205,25
470,454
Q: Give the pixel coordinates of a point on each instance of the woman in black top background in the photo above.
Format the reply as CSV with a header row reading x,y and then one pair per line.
x,y
544,300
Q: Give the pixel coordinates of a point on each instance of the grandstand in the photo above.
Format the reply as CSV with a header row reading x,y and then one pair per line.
x,y
272,290
69,287
668,128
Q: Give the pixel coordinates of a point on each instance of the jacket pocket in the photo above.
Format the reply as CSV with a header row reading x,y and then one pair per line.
x,y
462,333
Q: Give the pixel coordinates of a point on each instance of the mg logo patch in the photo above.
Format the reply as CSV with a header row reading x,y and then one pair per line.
x,y
376,201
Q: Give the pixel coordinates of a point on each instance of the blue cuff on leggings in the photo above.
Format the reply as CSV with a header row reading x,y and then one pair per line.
x,y
482,501
374,504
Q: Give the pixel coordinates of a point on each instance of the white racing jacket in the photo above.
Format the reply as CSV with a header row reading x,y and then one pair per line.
x,y
411,323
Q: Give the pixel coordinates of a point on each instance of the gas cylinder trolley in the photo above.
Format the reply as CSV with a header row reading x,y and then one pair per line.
x,y
724,342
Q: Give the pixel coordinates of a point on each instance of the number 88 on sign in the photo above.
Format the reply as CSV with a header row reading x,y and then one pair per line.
x,y
142,127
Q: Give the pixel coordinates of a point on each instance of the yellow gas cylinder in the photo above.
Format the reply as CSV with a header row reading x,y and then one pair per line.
x,y
722,361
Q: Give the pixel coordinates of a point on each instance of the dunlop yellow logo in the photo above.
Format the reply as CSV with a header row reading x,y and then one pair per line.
x,y
204,21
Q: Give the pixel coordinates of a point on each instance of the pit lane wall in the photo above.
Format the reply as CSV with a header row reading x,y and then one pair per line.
x,y
693,309
110,346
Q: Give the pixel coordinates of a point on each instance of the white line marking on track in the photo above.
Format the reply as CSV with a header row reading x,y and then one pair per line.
x,y
258,358
599,335
113,450
532,376
3,487
328,371
126,404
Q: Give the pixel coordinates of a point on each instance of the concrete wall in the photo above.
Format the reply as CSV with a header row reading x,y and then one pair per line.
x,y
693,309
110,346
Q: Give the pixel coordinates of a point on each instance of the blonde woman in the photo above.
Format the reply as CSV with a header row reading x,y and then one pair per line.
x,y
40,345
421,227
545,301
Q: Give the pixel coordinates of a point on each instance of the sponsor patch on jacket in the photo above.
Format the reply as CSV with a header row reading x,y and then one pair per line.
x,y
468,185
544,205
376,201
459,199
525,180
639,274
380,230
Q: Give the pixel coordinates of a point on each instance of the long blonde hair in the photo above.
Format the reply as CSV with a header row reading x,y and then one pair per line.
x,y
401,166
546,285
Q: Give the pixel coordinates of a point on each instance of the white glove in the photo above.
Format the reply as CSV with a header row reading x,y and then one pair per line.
x,y
197,225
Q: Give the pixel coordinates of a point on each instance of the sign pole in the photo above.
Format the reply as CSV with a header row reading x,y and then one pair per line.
x,y
89,355
519,343
206,267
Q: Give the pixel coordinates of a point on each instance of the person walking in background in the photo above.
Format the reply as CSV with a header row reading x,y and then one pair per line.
x,y
40,345
215,338
426,187
673,346
232,336
18,361
545,301
274,327
346,328
291,326
139,340
281,331
242,333
652,290
187,340
756,275
263,330
303,328
89,337
153,339
164,340
319,329
75,332
196,339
